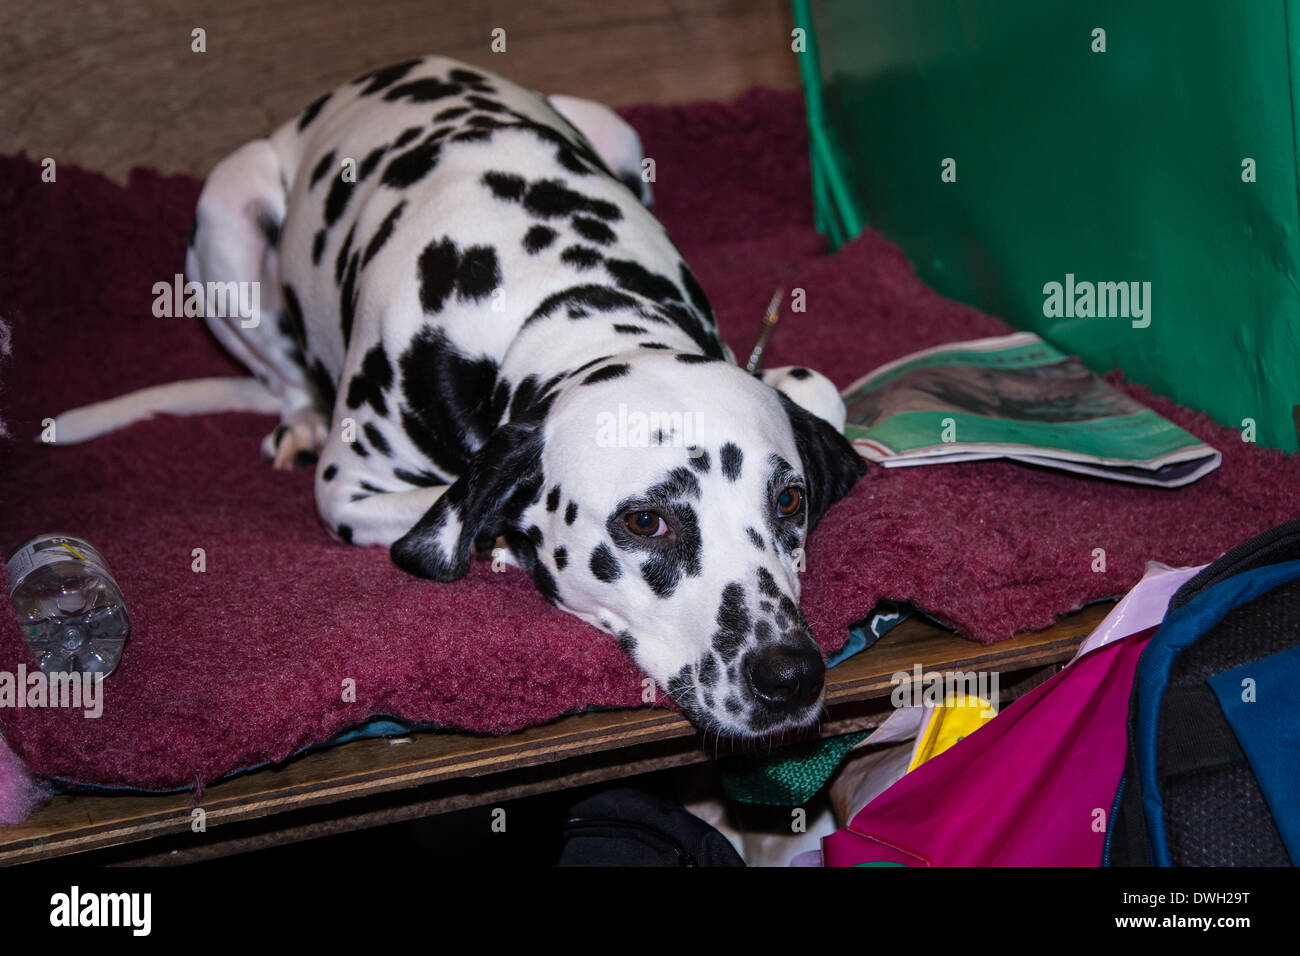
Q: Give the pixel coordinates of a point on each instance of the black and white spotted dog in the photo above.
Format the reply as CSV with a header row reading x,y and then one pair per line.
x,y
464,289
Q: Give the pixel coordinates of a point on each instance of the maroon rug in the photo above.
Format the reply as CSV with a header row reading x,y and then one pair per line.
x,y
245,663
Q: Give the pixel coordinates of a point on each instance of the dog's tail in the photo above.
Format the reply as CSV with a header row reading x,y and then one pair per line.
x,y
199,396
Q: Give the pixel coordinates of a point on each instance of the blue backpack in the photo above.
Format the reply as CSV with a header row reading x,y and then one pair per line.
x,y
1212,776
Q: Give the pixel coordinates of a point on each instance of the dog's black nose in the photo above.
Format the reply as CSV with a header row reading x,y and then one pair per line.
x,y
786,677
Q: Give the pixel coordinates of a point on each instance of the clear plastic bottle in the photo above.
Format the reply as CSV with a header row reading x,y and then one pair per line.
x,y
68,605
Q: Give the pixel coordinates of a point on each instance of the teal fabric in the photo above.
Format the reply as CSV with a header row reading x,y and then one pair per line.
x,y
1267,726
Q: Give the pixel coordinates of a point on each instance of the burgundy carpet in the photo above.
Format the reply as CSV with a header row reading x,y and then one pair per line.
x,y
245,663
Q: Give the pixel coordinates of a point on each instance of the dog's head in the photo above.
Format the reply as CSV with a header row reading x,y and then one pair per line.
x,y
667,499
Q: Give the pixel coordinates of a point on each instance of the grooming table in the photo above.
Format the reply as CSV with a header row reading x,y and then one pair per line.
x,y
368,783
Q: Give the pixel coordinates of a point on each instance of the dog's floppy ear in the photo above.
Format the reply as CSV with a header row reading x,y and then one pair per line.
x,y
504,477
831,466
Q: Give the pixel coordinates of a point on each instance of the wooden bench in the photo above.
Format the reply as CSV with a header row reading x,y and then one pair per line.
x,y
370,783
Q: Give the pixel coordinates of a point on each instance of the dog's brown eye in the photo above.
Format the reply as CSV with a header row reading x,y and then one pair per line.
x,y
646,524
789,502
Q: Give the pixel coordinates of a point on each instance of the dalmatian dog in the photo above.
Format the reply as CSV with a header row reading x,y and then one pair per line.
x,y
475,326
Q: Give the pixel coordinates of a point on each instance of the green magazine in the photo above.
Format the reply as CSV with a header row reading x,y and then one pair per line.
x,y
1015,396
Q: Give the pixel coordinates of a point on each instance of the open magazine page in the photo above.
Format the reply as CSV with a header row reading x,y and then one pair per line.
x,y
1016,396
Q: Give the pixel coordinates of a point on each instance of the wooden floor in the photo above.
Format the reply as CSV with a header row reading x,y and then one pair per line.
x,y
111,85
374,782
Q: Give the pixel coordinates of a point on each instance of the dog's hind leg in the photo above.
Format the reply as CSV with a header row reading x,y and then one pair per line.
x,y
611,136
355,507
234,250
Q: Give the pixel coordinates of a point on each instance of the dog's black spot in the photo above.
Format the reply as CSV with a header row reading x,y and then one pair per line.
x,y
312,111
550,198
438,264
632,181
341,260
755,538
680,483
662,576
534,534
733,622
731,457
588,364
382,79
636,278
580,257
451,113
345,532
608,372
700,461
322,384
370,162
709,671
593,229
604,565
446,413
322,168
800,373
623,329
408,168
654,345
383,232
561,558
336,200
473,274
538,238
360,449
317,247
377,439
277,436
694,292
767,584
424,90
472,136
294,324
626,642
478,273
544,581
485,104
598,298
532,400
553,499
468,77
370,383
420,479
506,186
348,299
731,705
408,134
329,472
571,512
689,358
679,687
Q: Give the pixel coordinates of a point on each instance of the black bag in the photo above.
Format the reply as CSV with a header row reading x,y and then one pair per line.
x,y
1189,795
626,827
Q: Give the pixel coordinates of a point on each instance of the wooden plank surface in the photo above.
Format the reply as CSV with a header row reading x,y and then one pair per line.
x,y
111,85
73,824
